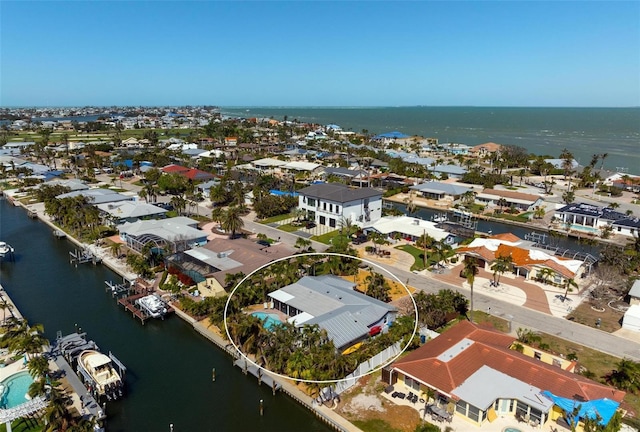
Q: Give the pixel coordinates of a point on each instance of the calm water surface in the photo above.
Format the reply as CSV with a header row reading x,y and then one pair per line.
x,y
169,378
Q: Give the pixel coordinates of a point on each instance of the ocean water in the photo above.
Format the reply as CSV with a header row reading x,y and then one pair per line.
x,y
545,131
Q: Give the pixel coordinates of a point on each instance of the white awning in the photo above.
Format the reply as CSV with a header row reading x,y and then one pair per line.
x,y
281,296
300,319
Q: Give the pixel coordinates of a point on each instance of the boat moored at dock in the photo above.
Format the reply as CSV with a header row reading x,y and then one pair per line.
x,y
6,251
153,305
105,380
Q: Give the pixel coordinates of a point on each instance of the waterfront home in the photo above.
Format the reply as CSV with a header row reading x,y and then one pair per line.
x,y
559,163
408,228
486,149
173,234
592,219
476,376
328,204
520,201
529,263
440,191
98,195
114,214
209,264
332,303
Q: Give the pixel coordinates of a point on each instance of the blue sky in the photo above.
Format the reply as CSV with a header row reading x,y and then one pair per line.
x,y
320,53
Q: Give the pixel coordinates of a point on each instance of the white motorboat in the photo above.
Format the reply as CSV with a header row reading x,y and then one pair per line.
x,y
105,380
440,218
153,305
5,249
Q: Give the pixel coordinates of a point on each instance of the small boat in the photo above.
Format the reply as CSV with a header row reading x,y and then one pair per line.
x,y
59,234
153,305
5,249
440,218
105,380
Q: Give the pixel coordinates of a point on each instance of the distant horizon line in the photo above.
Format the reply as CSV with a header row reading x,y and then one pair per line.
x,y
313,106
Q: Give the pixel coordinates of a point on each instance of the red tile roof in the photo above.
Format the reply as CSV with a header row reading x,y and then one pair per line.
x,y
491,348
173,168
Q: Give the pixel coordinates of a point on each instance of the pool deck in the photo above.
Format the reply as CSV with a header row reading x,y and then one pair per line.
x,y
458,423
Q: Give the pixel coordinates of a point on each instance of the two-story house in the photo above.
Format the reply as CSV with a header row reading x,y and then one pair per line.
x,y
329,203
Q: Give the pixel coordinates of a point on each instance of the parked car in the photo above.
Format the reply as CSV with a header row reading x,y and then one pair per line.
x,y
360,239
310,225
264,243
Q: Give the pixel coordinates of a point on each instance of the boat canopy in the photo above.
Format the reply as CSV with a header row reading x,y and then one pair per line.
x,y
95,360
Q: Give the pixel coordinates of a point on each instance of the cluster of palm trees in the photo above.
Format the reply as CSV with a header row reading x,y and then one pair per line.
x,y
75,214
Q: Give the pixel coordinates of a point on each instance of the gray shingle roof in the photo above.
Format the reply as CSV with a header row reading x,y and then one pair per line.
x,y
338,192
439,187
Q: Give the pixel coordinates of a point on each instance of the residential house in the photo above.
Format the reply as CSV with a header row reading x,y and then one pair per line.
x,y
441,191
333,304
476,375
175,234
356,177
448,171
329,203
209,264
486,149
520,201
129,211
408,228
98,196
592,219
529,263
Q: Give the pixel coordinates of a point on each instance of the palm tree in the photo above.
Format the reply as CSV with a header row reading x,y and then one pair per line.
x,y
502,202
470,271
545,274
501,265
569,283
231,221
539,212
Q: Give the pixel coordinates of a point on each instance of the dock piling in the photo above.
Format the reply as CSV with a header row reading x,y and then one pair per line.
x,y
261,407
213,374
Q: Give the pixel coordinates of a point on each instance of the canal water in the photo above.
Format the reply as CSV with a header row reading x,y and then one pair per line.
x,y
169,378
501,228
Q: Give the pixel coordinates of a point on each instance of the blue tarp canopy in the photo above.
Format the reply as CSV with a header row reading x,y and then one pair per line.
x,y
394,134
605,408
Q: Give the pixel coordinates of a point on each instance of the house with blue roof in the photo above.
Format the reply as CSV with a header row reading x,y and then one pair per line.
x,y
591,218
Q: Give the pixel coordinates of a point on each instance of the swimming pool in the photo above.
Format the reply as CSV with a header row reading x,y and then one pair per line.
x,y
268,320
13,390
511,429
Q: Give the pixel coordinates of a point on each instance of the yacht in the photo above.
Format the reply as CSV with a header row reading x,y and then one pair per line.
x,y
104,378
153,305
5,249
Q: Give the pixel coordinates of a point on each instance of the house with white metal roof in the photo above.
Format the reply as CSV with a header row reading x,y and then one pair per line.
x,y
408,228
439,190
332,303
129,211
178,233
98,195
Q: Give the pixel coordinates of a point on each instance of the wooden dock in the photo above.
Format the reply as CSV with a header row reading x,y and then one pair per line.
x,y
81,256
130,305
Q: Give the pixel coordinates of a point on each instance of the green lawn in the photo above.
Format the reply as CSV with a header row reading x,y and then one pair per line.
x,y
276,218
418,256
326,238
21,425
288,228
374,425
507,216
